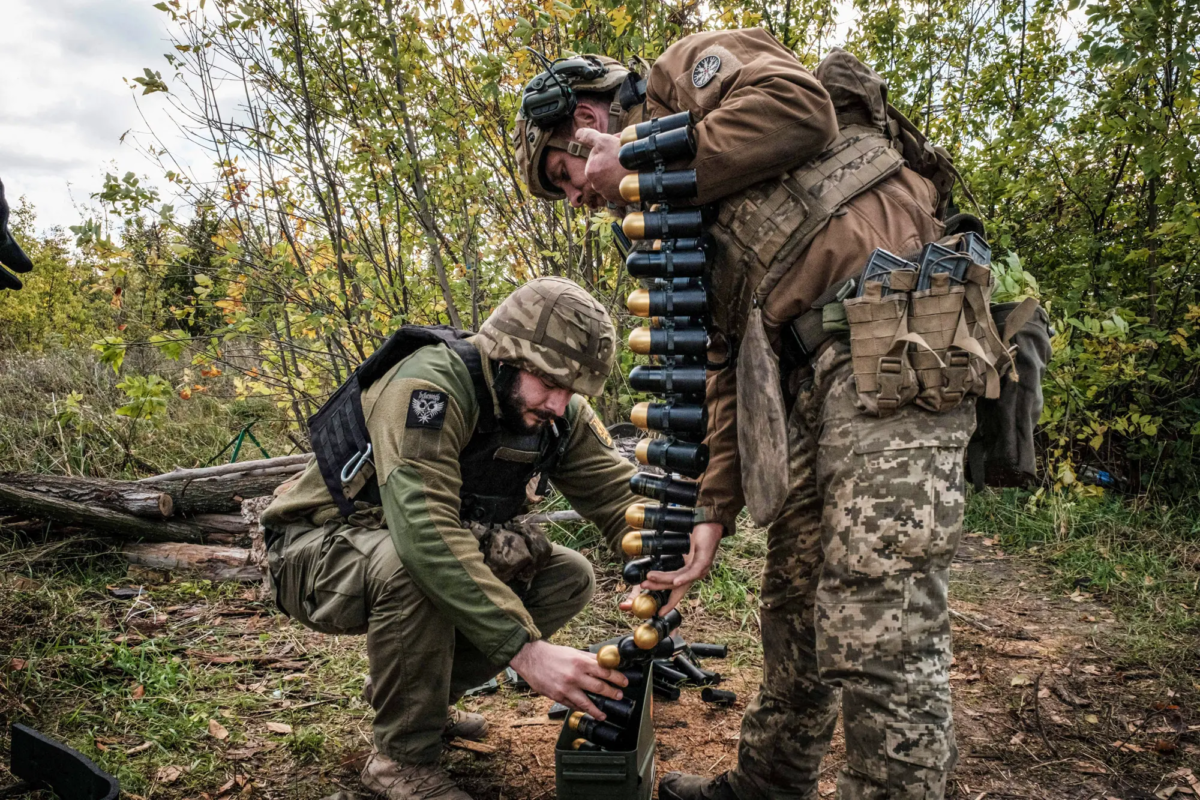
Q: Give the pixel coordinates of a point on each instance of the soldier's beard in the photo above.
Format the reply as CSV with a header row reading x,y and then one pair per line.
x,y
513,408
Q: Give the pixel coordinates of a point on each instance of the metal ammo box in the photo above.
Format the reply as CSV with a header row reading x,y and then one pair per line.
x,y
612,775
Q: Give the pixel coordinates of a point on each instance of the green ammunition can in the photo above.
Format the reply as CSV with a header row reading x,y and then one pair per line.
x,y
611,774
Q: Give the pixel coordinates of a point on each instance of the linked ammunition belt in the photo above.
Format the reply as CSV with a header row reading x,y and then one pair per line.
x,y
676,341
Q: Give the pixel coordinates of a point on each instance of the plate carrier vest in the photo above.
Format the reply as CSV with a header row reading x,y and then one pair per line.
x,y
497,464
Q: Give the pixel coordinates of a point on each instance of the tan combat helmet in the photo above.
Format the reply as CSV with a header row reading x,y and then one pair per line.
x,y
531,141
553,328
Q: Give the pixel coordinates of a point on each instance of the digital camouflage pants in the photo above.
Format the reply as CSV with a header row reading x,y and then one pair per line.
x,y
348,579
854,599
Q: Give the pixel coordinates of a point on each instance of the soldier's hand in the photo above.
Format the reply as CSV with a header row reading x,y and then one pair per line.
x,y
564,674
706,537
603,169
11,254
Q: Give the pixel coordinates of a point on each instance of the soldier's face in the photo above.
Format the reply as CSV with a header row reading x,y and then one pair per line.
x,y
534,402
542,400
567,173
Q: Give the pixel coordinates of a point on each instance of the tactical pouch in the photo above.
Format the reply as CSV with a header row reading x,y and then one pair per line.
x,y
515,552
879,338
944,372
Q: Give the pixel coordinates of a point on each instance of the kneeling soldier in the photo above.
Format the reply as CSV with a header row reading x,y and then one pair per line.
x,y
410,541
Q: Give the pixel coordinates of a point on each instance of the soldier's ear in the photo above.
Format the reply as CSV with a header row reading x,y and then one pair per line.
x,y
588,116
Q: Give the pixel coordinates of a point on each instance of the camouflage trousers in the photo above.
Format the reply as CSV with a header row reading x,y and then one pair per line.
x,y
348,579
854,599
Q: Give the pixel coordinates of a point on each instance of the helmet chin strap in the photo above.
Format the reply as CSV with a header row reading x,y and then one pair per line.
x,y
581,150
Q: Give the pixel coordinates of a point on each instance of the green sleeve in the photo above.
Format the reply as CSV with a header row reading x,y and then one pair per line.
x,y
594,477
420,481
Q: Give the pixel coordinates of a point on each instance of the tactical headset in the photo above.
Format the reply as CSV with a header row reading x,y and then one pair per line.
x,y
549,98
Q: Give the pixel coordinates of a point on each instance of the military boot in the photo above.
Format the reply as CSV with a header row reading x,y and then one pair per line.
x,y
394,781
464,725
678,786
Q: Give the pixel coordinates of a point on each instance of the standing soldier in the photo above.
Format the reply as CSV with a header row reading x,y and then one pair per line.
x,y
810,173
401,527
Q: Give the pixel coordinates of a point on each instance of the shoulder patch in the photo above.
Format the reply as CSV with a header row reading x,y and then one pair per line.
x,y
427,410
601,432
705,70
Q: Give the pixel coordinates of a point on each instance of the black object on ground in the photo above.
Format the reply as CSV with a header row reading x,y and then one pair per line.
x,y
558,711
705,650
718,697
42,763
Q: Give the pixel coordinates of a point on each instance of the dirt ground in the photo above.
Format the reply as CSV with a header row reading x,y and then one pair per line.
x,y
196,693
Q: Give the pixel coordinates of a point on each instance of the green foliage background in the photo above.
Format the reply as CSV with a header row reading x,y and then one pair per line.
x,y
362,177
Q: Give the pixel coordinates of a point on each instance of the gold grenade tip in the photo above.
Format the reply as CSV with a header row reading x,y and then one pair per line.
x,y
609,656
639,303
578,743
642,451
631,188
656,244
629,134
645,606
631,545
645,637
635,515
639,341
634,225
574,720
640,414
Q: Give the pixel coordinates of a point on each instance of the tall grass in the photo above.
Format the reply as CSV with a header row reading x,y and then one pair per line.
x,y
1142,558
58,414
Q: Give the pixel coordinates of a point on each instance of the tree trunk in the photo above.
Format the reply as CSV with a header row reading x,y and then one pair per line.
x,y
103,520
221,489
206,561
132,498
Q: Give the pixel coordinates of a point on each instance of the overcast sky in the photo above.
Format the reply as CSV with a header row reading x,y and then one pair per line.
x,y
63,103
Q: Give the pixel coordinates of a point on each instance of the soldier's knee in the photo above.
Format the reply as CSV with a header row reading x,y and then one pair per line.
x,y
578,578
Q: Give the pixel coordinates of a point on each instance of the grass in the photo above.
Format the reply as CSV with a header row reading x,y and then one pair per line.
x,y
60,416
1141,559
87,668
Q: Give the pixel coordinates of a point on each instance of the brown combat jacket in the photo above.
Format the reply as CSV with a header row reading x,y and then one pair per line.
x,y
420,477
759,116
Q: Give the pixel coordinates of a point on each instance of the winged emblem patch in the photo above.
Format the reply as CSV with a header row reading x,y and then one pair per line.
x,y
426,410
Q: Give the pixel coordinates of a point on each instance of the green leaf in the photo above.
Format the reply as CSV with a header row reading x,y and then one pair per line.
x,y
112,352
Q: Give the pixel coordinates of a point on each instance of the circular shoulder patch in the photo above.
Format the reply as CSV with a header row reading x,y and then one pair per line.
x,y
705,70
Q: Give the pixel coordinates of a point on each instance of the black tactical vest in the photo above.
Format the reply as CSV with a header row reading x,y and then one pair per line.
x,y
496,464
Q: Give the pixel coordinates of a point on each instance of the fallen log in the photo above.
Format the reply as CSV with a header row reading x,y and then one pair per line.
x,y
222,489
132,498
294,463
101,520
205,561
